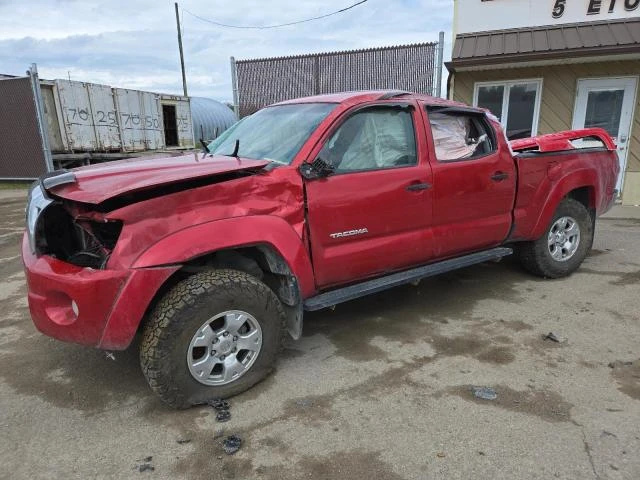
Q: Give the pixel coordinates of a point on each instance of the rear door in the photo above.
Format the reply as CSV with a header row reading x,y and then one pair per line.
x,y
372,215
474,182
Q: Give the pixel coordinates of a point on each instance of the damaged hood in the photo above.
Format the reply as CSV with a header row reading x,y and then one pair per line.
x,y
98,183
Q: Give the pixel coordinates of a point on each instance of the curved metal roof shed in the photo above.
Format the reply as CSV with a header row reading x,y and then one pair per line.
x,y
210,118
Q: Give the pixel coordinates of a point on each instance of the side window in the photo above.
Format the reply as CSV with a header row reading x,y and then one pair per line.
x,y
372,139
460,136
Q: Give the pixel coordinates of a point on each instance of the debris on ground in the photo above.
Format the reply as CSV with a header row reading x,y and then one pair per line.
x,y
146,466
484,393
619,364
223,416
219,404
182,441
231,444
440,455
222,407
304,403
554,338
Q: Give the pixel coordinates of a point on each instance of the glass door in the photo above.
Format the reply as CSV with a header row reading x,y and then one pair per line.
x,y
608,103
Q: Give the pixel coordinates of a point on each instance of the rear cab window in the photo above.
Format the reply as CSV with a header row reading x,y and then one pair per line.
x,y
460,134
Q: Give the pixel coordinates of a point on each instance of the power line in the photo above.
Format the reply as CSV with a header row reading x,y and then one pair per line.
x,y
264,27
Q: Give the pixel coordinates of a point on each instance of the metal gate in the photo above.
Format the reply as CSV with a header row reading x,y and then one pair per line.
x,y
23,144
260,82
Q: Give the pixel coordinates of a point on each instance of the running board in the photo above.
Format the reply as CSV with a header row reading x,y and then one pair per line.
x,y
351,292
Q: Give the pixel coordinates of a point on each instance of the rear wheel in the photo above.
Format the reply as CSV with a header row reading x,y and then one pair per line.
x,y
564,246
213,335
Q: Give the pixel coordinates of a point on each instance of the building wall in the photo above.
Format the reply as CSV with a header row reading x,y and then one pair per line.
x,y
559,87
486,15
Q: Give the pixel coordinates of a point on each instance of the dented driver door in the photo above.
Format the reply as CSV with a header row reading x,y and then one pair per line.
x,y
372,214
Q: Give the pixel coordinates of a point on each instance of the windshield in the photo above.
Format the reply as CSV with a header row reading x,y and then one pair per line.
x,y
223,136
273,133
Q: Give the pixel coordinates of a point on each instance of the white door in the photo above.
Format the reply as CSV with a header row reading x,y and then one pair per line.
x,y
608,103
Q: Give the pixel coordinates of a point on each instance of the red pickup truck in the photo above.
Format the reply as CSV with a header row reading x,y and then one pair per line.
x,y
214,256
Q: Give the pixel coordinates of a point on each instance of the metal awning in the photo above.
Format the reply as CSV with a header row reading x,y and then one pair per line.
x,y
546,43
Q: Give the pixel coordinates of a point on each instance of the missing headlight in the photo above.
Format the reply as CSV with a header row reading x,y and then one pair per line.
x,y
83,242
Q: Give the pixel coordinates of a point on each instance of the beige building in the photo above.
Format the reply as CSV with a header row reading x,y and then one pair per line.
x,y
542,66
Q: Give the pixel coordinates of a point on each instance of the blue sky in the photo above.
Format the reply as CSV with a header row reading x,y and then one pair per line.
x,y
132,44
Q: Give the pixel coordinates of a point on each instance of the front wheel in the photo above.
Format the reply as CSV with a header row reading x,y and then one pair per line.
x,y
564,246
213,335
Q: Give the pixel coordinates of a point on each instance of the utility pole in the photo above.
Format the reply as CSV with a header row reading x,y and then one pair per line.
x,y
439,65
184,78
234,86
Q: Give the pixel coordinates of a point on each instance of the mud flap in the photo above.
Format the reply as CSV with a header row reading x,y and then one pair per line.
x,y
294,320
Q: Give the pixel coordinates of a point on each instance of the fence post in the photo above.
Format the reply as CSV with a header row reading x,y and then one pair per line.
x,y
234,85
42,122
316,75
439,65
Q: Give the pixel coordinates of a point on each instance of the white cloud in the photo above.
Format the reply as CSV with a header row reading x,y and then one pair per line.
x,y
133,43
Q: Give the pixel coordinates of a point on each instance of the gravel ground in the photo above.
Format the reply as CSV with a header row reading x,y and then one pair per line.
x,y
380,388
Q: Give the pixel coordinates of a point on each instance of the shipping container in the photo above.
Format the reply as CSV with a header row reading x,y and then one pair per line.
x,y
87,117
140,121
178,126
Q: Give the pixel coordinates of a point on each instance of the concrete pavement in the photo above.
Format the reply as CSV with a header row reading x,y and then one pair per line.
x,y
380,388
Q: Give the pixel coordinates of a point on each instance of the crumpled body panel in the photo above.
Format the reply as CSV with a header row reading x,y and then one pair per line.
x,y
275,193
561,141
97,183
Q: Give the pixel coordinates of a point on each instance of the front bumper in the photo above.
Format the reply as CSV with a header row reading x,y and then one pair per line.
x,y
101,308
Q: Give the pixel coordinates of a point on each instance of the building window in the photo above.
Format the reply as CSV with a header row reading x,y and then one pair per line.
x,y
516,104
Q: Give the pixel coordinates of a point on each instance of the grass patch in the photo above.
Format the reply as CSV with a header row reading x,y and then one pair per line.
x,y
15,184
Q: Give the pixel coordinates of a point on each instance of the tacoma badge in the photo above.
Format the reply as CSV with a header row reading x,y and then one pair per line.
x,y
349,233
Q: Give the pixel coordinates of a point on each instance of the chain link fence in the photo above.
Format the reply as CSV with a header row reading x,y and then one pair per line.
x,y
260,82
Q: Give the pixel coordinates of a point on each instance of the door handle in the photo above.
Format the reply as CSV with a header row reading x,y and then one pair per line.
x,y
417,187
499,176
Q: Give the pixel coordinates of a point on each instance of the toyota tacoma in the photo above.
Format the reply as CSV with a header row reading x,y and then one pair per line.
x,y
213,257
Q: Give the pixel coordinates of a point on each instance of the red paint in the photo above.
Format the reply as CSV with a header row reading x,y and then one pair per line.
x,y
106,180
463,211
561,141
115,299
471,211
397,220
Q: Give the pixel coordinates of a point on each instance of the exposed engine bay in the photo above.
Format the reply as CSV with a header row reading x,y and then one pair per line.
x,y
82,240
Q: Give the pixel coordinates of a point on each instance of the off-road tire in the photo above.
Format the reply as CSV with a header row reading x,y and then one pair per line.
x,y
178,315
535,256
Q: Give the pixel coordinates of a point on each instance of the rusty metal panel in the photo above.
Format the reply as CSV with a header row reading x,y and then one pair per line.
x,y
269,80
21,153
184,123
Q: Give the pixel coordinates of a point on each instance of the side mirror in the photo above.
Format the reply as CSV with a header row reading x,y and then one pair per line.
x,y
318,169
